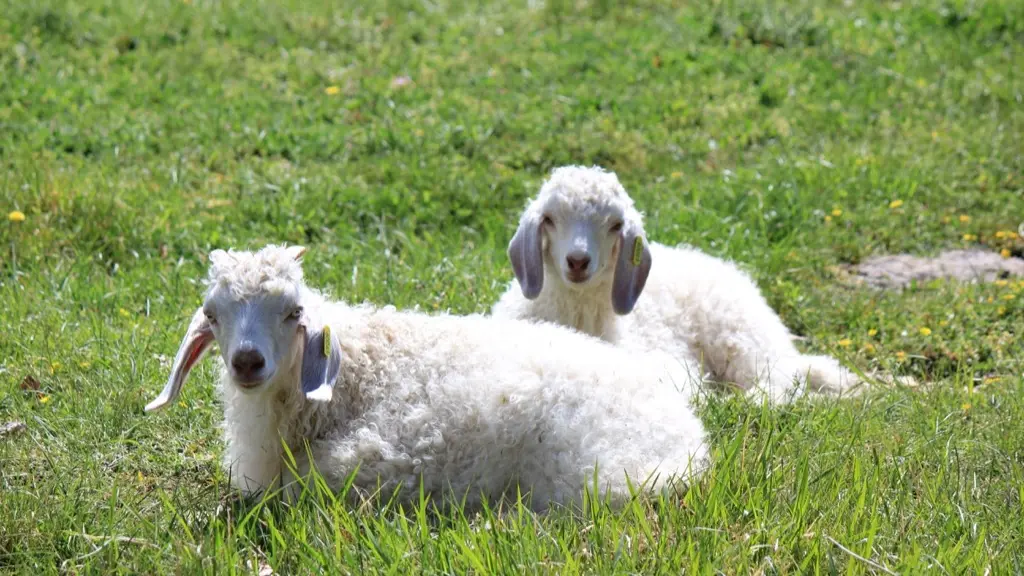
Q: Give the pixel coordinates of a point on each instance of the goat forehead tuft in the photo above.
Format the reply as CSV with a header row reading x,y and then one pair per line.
x,y
585,190
270,270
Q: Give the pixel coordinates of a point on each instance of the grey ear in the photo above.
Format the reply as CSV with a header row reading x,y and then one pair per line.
x,y
321,363
631,270
195,343
527,259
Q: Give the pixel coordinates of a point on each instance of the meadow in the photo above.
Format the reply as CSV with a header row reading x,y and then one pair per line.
x,y
399,141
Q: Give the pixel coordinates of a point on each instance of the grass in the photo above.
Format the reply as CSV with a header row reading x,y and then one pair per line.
x,y
793,137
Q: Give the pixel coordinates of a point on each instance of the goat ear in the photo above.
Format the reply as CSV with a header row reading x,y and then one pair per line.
x,y
527,259
196,342
296,252
631,270
321,363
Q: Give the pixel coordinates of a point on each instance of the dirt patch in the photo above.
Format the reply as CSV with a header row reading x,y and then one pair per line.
x,y
900,270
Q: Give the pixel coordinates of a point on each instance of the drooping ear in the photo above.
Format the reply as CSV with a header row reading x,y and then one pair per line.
x,y
631,270
196,342
296,252
321,363
527,259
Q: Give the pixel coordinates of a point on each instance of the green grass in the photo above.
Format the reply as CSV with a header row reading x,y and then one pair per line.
x,y
793,137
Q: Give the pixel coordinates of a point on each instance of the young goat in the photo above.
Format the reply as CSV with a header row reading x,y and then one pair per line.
x,y
472,406
581,260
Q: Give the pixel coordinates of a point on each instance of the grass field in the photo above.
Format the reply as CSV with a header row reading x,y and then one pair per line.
x,y
399,142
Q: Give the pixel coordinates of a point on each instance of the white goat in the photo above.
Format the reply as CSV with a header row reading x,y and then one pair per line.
x,y
472,406
581,260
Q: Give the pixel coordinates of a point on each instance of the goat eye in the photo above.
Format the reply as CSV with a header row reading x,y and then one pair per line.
x,y
547,221
616,228
210,318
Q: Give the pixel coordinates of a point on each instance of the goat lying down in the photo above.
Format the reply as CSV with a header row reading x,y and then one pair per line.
x,y
581,260
472,406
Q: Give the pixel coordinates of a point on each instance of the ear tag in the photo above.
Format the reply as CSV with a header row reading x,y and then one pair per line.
x,y
638,251
327,342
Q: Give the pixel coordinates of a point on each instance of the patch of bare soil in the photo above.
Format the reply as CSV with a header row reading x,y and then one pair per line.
x,y
897,271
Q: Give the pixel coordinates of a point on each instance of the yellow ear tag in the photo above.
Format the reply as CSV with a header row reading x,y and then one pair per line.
x,y
638,250
327,341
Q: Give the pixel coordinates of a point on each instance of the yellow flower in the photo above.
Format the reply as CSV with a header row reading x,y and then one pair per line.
x,y
124,312
332,90
84,364
677,174
837,212
872,332
925,331
965,218
901,355
828,218
16,216
895,204
869,347
966,406
1000,311
946,219
1005,252
1009,296
1001,283
970,237
44,399
845,342
935,135
943,323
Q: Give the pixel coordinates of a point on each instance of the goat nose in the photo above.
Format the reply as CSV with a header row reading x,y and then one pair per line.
x,y
247,362
577,261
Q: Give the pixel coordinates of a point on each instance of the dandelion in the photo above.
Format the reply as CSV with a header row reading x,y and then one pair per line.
x,y
84,364
965,218
925,331
837,212
970,237
828,218
677,175
845,342
1005,252
1000,311
124,312
901,355
872,332
966,406
869,348
1001,283
43,399
332,90
895,204
16,216
1009,296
